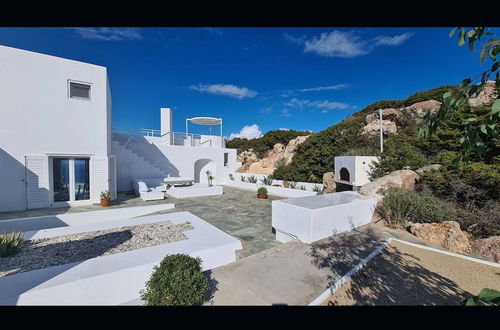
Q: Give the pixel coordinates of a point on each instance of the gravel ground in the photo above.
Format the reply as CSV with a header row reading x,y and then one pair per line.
x,y
47,252
406,275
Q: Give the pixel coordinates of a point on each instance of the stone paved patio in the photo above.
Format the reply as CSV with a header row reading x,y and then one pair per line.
x,y
237,212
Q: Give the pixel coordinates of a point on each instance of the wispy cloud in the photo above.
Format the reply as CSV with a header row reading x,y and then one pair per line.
x,y
393,41
324,88
345,44
285,113
266,110
248,132
297,103
225,89
109,33
213,31
326,106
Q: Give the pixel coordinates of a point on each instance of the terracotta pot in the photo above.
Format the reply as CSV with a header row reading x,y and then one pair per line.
x,y
105,202
261,196
286,185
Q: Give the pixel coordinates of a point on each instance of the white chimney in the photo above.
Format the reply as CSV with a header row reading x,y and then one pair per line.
x,y
165,120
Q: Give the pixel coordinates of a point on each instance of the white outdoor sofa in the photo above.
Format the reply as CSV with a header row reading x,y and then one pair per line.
x,y
150,188
178,181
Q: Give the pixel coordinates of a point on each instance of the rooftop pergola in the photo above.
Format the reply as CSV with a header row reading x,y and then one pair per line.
x,y
206,121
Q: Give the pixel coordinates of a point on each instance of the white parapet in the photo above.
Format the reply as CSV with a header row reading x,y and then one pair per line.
x,y
196,190
312,218
117,278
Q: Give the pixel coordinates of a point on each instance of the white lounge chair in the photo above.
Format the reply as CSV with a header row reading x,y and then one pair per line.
x,y
150,194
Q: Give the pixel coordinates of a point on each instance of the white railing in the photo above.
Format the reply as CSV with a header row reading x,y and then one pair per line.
x,y
176,138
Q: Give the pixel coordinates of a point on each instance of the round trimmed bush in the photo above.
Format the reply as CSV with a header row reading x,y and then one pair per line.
x,y
262,191
177,281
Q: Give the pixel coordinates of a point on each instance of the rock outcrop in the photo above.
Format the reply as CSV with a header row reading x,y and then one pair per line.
x,y
427,168
373,128
329,185
267,165
486,96
446,234
404,179
488,247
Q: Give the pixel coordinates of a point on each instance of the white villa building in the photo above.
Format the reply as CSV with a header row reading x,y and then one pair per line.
x,y
57,146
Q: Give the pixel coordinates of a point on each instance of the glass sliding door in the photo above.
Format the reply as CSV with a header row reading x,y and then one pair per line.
x,y
70,179
82,179
61,179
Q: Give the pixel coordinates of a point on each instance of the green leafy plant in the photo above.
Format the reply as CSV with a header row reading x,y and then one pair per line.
x,y
106,194
243,178
210,177
478,132
231,177
293,184
177,281
302,187
317,188
262,191
252,179
280,162
486,296
267,180
9,243
399,208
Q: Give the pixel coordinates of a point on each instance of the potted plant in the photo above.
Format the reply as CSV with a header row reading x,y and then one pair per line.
x,y
262,193
286,184
105,197
210,177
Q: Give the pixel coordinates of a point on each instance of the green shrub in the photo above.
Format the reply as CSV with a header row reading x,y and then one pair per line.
x,y
231,177
302,187
243,178
293,184
317,188
481,222
106,194
399,152
177,281
9,244
399,208
252,179
267,180
262,191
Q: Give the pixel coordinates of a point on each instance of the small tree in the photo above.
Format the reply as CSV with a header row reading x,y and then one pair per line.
x,y
210,177
177,281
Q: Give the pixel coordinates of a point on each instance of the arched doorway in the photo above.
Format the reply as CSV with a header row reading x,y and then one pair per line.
x,y
200,167
344,174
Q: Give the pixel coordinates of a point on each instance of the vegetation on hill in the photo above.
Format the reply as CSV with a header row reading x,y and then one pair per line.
x,y
261,145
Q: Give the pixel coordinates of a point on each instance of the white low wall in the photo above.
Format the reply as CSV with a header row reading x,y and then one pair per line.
x,y
312,218
196,190
308,185
117,278
278,191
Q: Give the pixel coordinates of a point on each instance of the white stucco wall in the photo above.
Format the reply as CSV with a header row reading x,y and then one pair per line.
x,y
358,167
37,117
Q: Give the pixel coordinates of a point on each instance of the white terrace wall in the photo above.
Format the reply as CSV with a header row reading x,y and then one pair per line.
x,y
37,117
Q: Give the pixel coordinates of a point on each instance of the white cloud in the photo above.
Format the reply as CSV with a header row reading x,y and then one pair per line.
x,y
324,88
337,44
109,33
249,132
266,110
285,113
345,44
297,103
225,89
326,106
393,41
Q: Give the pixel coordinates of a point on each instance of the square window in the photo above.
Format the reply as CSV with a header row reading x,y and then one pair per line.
x,y
226,156
79,91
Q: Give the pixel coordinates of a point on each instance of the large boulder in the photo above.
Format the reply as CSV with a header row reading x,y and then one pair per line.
x,y
294,143
413,114
329,185
404,179
373,128
488,247
486,96
421,171
446,234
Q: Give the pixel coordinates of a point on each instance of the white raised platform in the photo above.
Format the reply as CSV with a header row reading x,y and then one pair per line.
x,y
79,218
196,190
271,190
312,218
117,278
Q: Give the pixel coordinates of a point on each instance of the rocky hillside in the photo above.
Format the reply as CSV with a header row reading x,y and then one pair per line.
x,y
279,154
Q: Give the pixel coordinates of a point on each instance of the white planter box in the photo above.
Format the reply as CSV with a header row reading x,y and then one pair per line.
x,y
271,190
196,190
312,218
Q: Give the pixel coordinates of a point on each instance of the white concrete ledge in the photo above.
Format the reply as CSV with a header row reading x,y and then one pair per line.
x,y
278,191
79,218
117,278
196,190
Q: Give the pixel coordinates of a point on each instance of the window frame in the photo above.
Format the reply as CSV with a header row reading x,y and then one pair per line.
x,y
81,83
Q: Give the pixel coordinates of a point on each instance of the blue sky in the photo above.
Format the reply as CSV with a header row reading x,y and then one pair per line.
x,y
256,79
